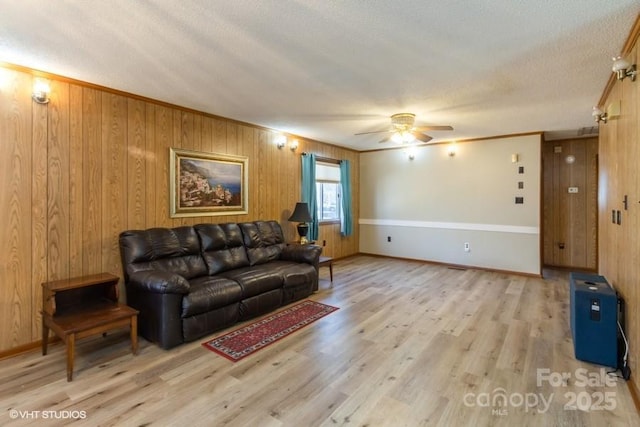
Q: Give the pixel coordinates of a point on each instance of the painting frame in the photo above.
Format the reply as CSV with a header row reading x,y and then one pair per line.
x,y
207,184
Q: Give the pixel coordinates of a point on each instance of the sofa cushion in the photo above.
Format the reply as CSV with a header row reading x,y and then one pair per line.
x,y
293,273
263,240
168,249
222,247
208,293
255,280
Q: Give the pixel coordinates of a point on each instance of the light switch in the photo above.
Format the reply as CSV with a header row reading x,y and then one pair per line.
x,y
573,189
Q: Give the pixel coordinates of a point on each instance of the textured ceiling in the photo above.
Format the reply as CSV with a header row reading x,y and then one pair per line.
x,y
329,69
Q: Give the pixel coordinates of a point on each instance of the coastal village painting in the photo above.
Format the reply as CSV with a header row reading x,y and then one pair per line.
x,y
207,184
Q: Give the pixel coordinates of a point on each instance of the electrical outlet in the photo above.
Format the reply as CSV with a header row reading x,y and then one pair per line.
x,y
467,247
388,238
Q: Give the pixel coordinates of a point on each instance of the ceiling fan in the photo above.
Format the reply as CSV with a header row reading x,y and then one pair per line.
x,y
404,131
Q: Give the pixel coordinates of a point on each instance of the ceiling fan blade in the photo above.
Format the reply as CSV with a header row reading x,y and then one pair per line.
x,y
375,131
387,139
433,128
421,136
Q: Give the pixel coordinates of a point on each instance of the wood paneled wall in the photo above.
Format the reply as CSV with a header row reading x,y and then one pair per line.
x,y
570,219
619,160
94,162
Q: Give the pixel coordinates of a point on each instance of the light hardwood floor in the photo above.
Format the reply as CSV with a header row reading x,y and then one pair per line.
x,y
413,344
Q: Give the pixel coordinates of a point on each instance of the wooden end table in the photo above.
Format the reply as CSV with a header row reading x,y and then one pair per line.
x,y
83,306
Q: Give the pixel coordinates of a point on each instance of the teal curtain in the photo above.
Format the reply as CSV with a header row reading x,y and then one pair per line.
x,y
309,192
346,223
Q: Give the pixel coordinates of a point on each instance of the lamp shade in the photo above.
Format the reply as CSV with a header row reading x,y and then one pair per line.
x,y
301,213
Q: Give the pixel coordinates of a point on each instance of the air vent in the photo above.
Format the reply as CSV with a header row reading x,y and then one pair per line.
x,y
589,130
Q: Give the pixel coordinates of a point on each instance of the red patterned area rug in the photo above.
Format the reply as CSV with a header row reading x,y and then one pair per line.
x,y
244,341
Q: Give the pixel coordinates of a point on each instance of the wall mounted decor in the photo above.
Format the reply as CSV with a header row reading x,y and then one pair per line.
x,y
207,184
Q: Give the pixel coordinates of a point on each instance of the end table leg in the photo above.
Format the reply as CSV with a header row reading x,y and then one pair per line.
x,y
331,272
134,334
71,345
45,338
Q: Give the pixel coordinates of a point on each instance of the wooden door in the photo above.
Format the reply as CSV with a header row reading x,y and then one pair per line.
x,y
570,210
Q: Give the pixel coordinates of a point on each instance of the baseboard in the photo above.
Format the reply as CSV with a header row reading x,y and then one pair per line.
x,y
25,348
571,269
457,266
635,393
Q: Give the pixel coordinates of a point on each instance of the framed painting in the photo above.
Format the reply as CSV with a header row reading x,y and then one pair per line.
x,y
207,184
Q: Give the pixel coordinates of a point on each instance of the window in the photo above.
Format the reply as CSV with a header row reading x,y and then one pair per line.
x,y
328,192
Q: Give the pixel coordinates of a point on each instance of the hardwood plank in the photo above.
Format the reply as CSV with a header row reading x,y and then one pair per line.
x,y
39,218
114,179
163,141
136,165
150,167
92,168
58,182
76,181
15,199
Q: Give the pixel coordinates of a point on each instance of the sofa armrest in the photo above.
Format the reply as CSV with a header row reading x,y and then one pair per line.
x,y
159,282
157,295
309,254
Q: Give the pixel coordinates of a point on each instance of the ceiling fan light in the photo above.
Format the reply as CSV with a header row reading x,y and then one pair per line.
x,y
397,137
408,137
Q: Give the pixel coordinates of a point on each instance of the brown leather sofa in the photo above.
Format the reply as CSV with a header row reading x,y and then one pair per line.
x,y
190,281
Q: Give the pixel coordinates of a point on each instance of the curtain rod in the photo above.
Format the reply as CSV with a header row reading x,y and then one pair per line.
x,y
324,159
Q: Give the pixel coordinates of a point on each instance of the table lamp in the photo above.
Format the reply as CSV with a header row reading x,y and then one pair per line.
x,y
302,216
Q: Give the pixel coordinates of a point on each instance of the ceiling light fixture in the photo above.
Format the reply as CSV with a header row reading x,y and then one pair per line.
x,y
599,115
623,68
402,124
41,91
403,137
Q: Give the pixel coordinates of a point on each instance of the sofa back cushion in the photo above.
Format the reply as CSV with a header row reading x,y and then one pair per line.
x,y
222,247
168,249
263,240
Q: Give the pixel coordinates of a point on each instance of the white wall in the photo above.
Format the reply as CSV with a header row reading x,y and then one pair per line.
x,y
432,205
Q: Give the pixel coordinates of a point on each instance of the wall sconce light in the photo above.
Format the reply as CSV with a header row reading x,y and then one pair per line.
x,y
452,149
410,152
599,115
41,91
294,145
623,68
281,141
514,158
